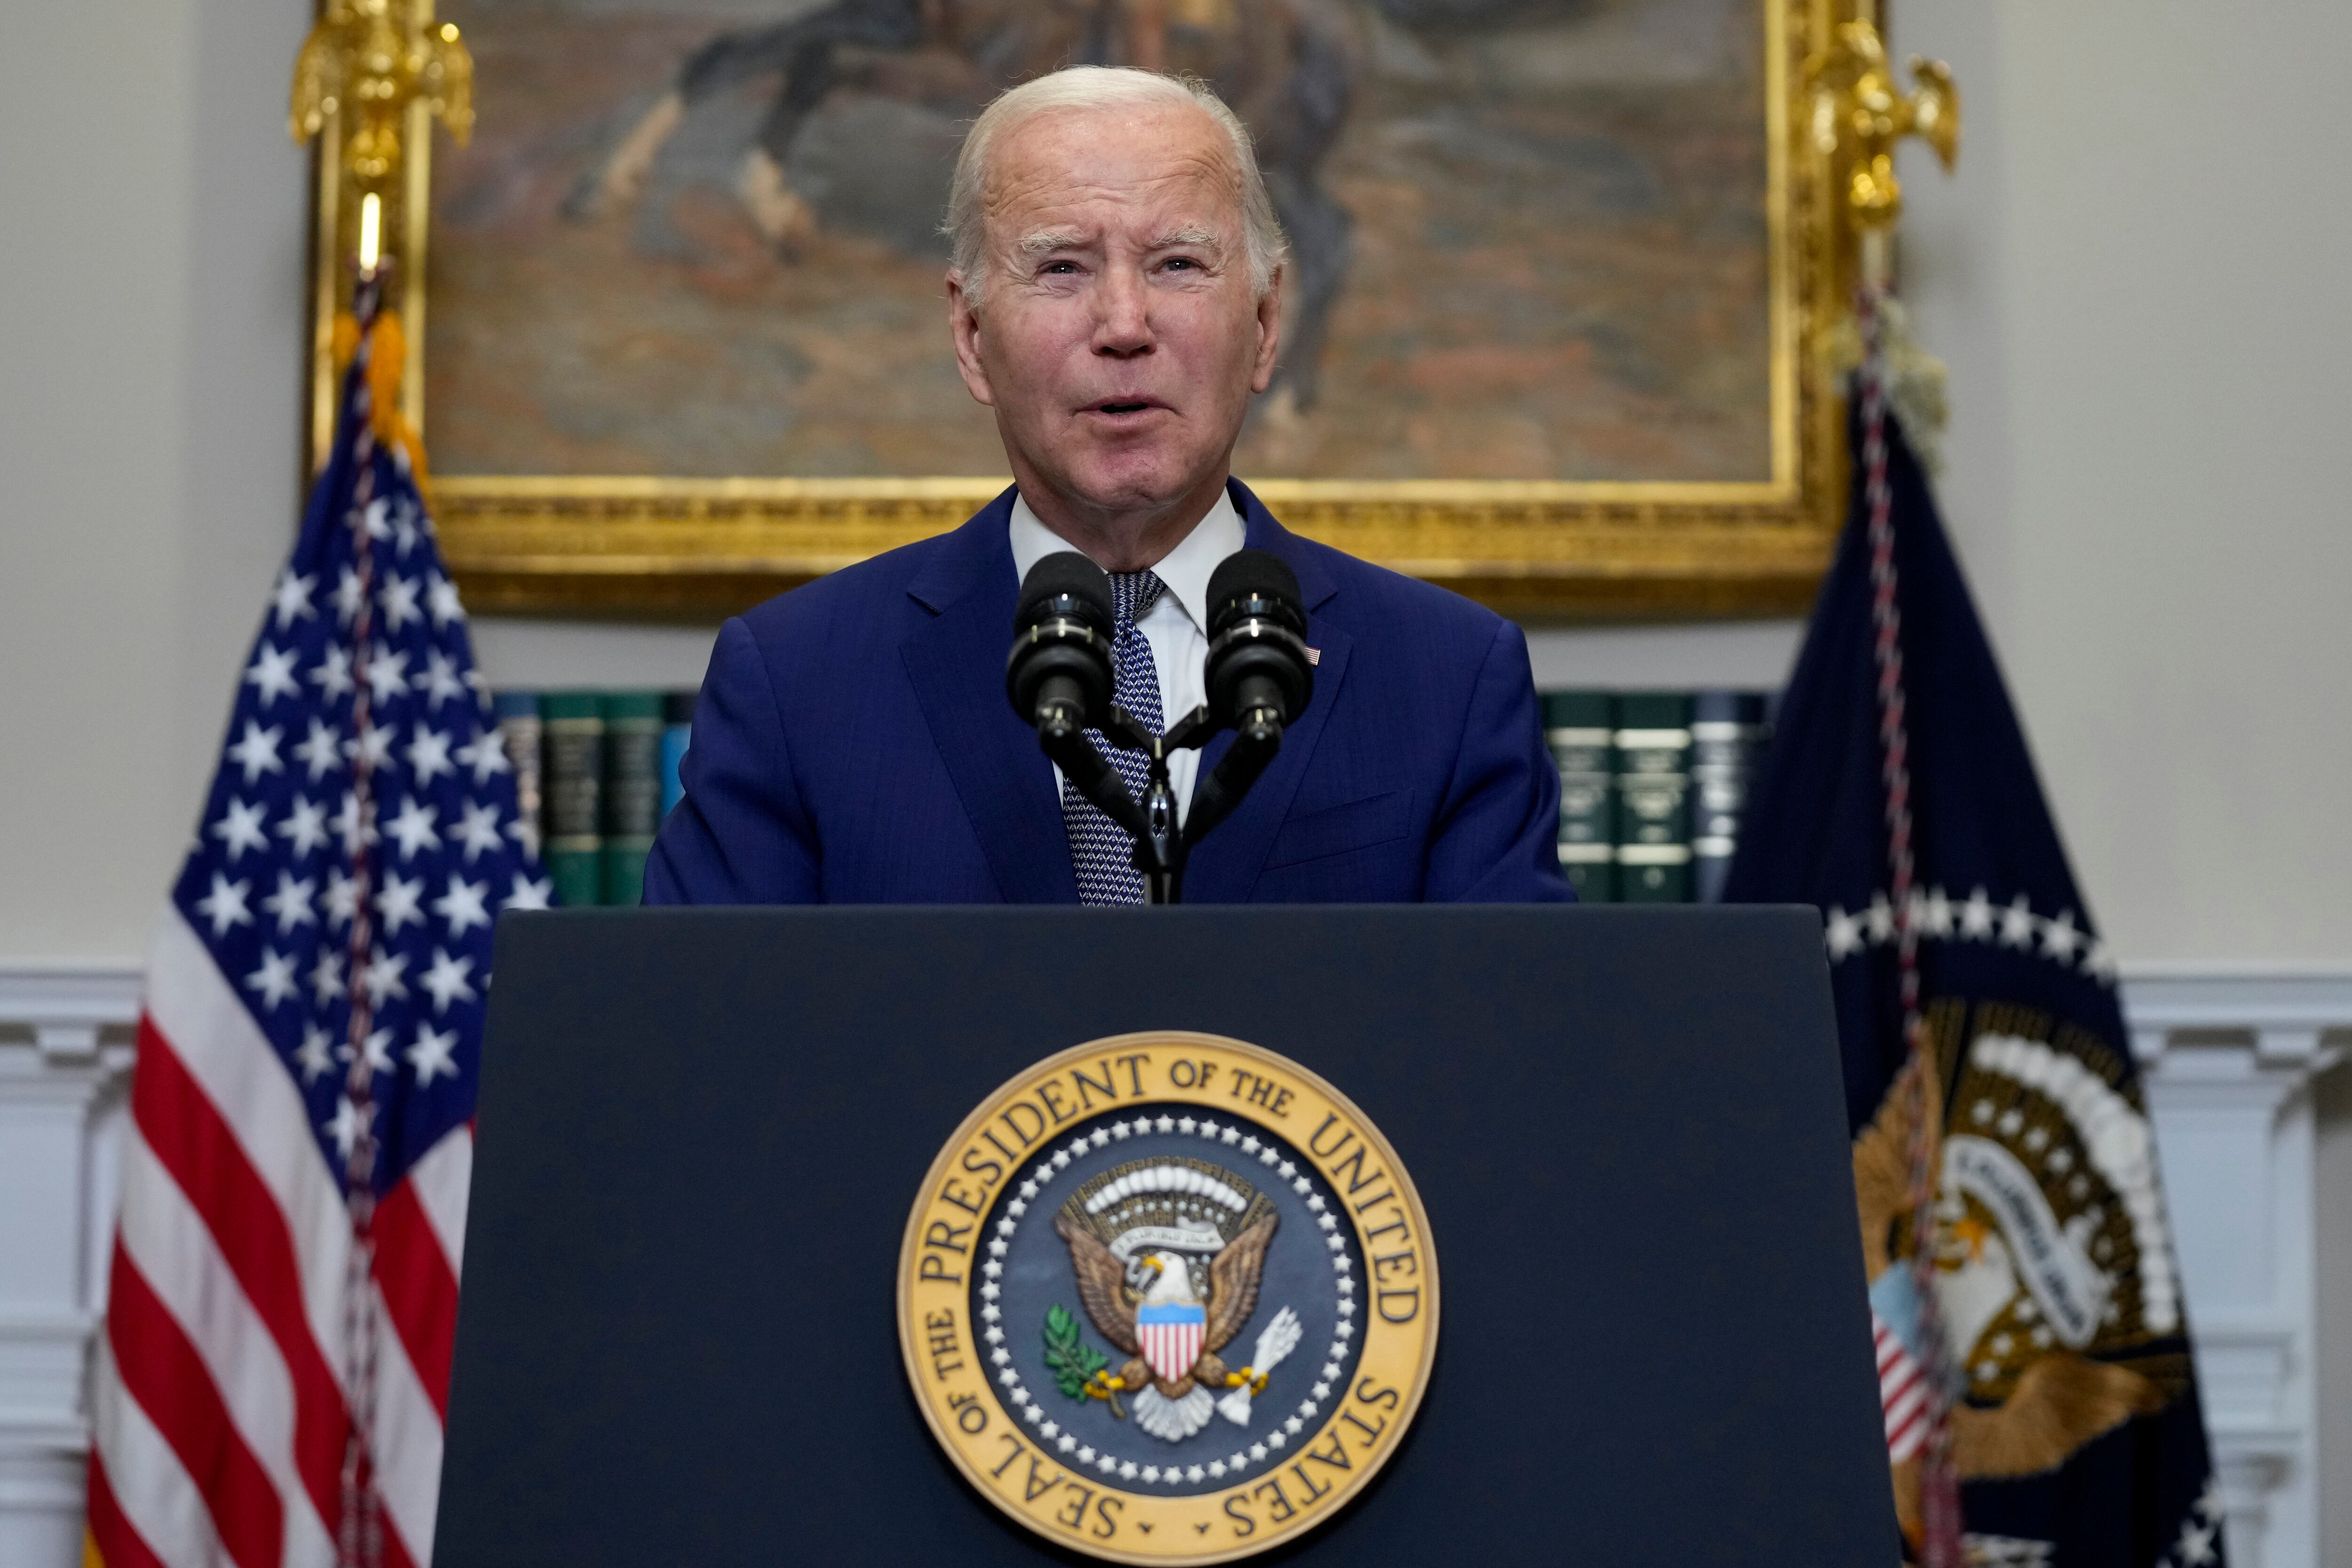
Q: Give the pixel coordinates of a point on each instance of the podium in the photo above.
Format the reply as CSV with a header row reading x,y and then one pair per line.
x,y
701,1134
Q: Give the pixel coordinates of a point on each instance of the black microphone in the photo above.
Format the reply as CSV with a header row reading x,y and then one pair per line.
x,y
1259,677
1059,676
1059,673
1258,674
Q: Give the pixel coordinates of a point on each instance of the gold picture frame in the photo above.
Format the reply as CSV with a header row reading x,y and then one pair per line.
x,y
691,548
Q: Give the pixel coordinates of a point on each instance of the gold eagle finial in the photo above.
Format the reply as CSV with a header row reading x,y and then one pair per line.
x,y
372,59
1858,113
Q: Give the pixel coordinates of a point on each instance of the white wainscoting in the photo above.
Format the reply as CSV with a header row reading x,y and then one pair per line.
x,y
2230,1056
64,1062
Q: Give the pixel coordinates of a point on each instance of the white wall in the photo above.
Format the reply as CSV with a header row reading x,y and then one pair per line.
x,y
151,280
2138,279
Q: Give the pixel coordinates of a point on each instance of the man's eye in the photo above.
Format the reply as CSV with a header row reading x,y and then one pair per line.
x,y
1058,269
1185,262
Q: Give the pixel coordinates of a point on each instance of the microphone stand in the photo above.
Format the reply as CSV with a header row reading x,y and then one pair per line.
x,y
1162,848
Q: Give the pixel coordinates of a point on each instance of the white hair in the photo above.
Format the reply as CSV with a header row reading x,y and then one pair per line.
x,y
1088,88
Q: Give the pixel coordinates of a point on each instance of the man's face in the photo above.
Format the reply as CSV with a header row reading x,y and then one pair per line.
x,y
1120,337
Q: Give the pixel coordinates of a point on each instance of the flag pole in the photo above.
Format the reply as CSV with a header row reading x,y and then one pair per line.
x,y
360,1539
1859,115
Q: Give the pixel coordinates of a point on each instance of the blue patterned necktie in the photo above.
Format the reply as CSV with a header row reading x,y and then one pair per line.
x,y
1099,847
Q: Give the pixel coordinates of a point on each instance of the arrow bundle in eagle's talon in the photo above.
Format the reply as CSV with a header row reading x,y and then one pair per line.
x,y
1276,1341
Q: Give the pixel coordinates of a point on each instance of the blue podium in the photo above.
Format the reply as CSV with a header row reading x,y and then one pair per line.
x,y
701,1134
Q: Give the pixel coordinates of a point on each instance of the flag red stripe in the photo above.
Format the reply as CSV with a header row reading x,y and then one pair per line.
x,y
192,1142
396,1551
118,1545
420,1293
163,1372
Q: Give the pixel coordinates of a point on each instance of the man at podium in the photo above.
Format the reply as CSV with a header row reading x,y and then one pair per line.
x,y
1115,297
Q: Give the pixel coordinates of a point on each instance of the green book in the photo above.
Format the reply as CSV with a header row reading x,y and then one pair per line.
x,y
1653,752
1577,726
518,718
1727,739
633,737
573,724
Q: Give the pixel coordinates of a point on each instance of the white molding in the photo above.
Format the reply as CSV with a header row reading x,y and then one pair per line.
x,y
65,1053
2229,1055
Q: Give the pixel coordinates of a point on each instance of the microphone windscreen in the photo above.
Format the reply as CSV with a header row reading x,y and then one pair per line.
x,y
1064,572
1252,574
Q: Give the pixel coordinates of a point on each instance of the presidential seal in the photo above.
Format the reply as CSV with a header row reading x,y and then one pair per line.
x,y
1168,1298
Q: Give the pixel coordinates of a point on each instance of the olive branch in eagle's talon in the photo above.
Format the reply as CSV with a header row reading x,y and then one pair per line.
x,y
1080,1370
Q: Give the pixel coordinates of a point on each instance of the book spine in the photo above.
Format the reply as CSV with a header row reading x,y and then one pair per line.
x,y
677,730
1654,750
1579,729
1727,742
517,715
633,732
574,727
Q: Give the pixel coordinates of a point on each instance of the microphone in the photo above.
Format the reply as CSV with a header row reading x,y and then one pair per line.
x,y
1059,673
1259,678
1059,677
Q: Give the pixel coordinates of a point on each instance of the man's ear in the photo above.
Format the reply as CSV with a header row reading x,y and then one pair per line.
x,y
1269,334
963,324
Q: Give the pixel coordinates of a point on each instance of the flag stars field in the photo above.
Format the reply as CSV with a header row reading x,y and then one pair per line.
x,y
446,981
397,599
256,753
387,674
462,906
304,826
271,675
290,600
1934,918
318,752
239,829
428,755
400,903
430,1056
291,902
414,829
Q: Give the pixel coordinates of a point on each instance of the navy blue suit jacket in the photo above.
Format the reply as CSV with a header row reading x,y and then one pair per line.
x,y
854,745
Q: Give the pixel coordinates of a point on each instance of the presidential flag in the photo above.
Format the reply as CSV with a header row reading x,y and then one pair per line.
x,y
2041,1407
271,1379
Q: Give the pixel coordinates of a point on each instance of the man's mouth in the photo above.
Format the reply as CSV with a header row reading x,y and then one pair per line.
x,y
1117,406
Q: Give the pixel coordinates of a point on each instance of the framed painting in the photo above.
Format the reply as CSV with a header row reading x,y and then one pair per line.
x,y
1559,270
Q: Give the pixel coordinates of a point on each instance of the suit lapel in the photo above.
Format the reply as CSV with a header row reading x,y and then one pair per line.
x,y
1226,864
956,661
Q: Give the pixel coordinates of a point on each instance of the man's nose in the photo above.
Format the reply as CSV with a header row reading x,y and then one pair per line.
x,y
1122,315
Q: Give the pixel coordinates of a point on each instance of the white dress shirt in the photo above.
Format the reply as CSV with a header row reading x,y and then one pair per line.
x,y
1175,625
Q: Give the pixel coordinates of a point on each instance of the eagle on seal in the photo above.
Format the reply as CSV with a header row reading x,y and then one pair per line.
x,y
1171,1393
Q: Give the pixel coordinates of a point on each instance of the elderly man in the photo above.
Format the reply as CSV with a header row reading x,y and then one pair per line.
x,y
1115,298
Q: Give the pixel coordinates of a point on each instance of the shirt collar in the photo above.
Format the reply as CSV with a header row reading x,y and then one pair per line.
x,y
1184,572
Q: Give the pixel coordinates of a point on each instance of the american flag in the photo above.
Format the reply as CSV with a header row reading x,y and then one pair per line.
x,y
271,1381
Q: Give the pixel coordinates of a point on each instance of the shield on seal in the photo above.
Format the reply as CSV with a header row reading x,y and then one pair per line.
x,y
1170,1336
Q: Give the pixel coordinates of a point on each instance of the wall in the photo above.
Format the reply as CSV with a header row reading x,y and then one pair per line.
x,y
150,280
2137,278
